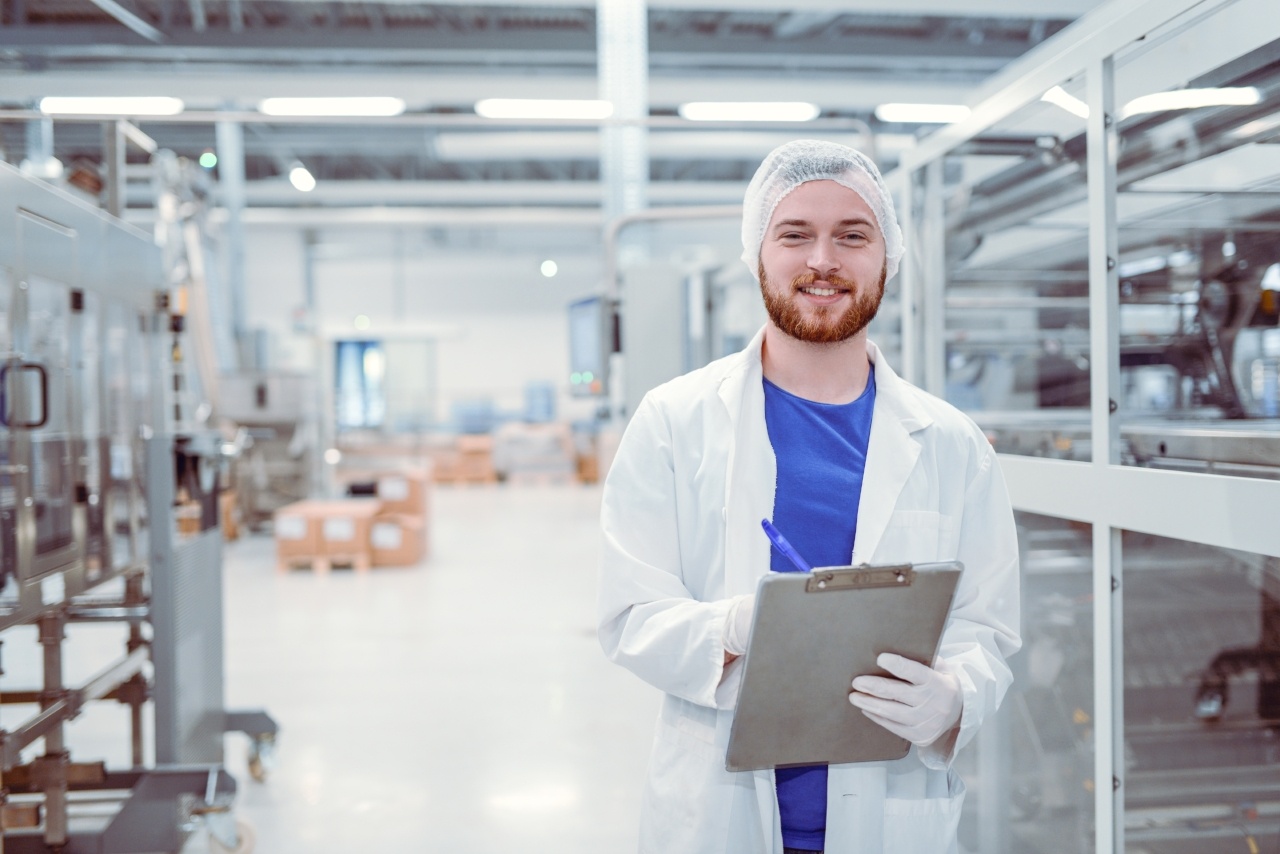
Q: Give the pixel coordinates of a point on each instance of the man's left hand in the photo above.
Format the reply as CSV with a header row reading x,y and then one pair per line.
x,y
920,705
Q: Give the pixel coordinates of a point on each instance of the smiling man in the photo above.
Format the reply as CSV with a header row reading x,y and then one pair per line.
x,y
810,427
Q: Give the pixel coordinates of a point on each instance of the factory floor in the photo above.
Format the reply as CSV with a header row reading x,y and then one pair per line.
x,y
462,705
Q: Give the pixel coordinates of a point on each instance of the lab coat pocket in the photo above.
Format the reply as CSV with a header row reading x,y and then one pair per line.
x,y
925,824
913,536
687,799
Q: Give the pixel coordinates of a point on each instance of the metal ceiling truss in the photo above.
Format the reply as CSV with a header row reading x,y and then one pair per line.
x,y
51,33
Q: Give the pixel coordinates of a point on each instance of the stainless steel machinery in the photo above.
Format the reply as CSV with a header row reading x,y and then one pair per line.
x,y
88,471
1094,275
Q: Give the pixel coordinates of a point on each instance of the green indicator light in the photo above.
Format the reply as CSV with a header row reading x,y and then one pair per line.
x,y
588,377
576,379
208,160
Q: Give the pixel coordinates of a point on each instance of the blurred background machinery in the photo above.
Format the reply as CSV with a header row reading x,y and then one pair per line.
x,y
97,463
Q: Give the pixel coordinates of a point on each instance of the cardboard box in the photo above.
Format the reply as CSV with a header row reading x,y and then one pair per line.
x,y
334,531
475,460
404,492
229,512
402,488
188,518
398,540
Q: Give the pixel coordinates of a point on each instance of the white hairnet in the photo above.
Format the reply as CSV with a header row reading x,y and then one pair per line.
x,y
803,160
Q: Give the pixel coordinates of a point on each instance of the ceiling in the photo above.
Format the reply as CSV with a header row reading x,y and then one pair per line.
x,y
440,58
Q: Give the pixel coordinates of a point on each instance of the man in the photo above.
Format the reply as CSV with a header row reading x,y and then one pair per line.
x,y
809,427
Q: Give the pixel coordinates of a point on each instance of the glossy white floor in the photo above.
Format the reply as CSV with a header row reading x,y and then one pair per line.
x,y
462,705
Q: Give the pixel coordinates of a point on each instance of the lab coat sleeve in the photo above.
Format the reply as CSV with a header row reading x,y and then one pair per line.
x,y
648,620
983,630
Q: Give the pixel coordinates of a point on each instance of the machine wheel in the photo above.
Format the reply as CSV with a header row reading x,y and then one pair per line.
x,y
257,770
245,840
261,753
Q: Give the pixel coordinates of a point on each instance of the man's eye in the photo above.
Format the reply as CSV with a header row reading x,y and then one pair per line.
x,y
855,235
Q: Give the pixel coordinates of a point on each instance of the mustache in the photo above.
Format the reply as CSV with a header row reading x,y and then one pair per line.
x,y
809,279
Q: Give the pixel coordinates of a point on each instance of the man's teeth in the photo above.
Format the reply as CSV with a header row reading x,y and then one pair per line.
x,y
821,292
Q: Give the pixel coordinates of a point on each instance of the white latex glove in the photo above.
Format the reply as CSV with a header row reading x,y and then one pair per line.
x,y
737,628
920,705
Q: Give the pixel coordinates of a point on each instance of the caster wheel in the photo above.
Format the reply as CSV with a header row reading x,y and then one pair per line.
x,y
245,840
261,756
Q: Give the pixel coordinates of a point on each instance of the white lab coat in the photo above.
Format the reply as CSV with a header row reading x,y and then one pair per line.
x,y
694,475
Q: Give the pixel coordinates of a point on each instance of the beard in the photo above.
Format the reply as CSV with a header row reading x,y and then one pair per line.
x,y
825,325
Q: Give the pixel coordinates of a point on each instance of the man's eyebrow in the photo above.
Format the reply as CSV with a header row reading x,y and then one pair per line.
x,y
844,223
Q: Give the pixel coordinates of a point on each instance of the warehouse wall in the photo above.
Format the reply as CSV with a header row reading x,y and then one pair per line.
x,y
498,323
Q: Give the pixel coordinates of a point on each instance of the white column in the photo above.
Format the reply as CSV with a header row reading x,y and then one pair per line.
x,y
622,46
1104,348
230,142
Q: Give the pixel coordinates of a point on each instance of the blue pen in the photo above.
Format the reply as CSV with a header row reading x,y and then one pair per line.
x,y
787,550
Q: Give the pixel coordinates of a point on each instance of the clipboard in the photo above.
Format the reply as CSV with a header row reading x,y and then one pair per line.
x,y
812,633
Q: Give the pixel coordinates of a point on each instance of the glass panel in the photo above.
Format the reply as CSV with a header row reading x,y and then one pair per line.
x,y
48,338
1199,206
86,385
1202,698
118,431
144,355
1016,322
1030,773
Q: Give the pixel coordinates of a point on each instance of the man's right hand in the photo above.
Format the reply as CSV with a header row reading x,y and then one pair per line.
x,y
737,628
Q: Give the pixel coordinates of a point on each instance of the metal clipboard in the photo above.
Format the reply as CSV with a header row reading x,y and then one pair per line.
x,y
812,633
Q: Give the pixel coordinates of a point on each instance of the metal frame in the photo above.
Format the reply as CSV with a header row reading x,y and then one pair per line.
x,y
1212,509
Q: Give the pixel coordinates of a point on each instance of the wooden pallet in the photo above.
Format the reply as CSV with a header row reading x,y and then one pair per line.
x,y
321,564
465,480
541,478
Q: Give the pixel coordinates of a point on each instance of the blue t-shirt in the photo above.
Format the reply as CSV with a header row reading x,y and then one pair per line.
x,y
821,450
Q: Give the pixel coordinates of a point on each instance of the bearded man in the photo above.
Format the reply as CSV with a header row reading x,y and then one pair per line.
x,y
808,426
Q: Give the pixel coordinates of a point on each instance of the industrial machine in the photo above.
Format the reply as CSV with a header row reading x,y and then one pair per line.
x,y
91,467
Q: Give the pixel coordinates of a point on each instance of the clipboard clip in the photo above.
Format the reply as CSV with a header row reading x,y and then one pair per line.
x,y
826,581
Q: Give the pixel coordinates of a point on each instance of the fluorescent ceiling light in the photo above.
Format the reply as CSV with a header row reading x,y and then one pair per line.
x,y
749,111
1060,98
301,179
143,106
1190,99
943,114
378,106
527,108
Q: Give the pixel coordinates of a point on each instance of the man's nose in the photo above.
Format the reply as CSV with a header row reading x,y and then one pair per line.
x,y
823,259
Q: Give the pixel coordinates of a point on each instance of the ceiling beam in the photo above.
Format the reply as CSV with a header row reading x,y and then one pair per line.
x,y
425,46
989,8
130,20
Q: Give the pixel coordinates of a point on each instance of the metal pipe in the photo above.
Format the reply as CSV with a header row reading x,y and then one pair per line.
x,y
135,597
617,225
113,157
130,20
53,764
55,712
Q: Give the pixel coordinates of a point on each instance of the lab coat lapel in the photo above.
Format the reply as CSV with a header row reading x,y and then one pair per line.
x,y
752,474
892,453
